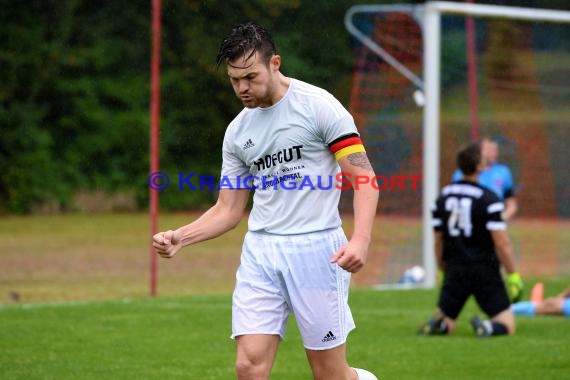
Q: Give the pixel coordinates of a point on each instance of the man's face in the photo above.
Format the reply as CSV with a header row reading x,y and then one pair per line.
x,y
489,151
253,80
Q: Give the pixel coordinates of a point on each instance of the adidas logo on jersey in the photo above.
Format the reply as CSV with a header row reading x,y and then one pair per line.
x,y
330,336
248,144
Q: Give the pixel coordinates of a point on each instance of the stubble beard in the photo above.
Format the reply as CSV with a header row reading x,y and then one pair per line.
x,y
263,101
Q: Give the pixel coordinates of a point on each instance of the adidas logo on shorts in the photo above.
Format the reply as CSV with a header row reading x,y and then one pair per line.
x,y
330,336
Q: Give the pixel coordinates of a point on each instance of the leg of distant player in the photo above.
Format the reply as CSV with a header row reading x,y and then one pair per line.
x,y
527,308
504,320
551,306
537,292
255,356
558,305
438,324
449,324
500,323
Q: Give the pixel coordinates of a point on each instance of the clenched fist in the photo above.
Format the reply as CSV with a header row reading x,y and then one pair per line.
x,y
167,243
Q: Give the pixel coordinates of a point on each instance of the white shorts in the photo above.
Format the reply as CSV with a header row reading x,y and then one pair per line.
x,y
279,275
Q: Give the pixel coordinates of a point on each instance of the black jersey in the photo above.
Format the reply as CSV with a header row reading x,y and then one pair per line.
x,y
465,212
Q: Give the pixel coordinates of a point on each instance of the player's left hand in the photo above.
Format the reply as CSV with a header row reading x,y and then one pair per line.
x,y
515,287
351,257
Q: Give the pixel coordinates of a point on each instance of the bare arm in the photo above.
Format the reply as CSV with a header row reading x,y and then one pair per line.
x,y
220,218
511,208
356,166
504,250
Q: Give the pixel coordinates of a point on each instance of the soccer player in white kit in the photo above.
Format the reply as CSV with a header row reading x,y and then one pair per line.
x,y
296,146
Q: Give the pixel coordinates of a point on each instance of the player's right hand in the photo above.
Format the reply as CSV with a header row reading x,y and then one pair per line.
x,y
167,243
515,287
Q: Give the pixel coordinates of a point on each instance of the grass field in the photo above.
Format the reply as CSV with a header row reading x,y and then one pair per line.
x,y
188,338
75,306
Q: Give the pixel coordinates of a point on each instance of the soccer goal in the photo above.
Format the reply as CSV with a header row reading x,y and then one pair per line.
x,y
429,78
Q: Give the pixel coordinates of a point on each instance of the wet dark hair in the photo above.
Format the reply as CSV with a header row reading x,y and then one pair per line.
x,y
243,39
469,157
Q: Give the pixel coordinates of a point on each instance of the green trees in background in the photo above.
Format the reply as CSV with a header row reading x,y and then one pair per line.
x,y
75,91
74,100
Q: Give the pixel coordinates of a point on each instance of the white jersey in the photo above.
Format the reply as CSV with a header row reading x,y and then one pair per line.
x,y
282,152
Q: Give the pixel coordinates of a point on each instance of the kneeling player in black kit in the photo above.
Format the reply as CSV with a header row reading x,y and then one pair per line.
x,y
471,245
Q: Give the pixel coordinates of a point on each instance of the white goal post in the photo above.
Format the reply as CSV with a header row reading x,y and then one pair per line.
x,y
429,19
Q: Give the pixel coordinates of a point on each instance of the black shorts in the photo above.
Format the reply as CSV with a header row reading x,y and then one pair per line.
x,y
483,281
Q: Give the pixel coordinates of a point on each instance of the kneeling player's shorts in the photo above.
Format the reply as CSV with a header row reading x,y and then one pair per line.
x,y
283,274
481,280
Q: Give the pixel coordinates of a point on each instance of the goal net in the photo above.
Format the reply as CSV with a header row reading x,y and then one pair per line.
x,y
429,78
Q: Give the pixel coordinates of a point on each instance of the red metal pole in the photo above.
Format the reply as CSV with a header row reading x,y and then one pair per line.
x,y
472,77
154,135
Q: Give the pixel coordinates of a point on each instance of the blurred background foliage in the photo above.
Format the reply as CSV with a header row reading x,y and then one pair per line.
x,y
75,92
